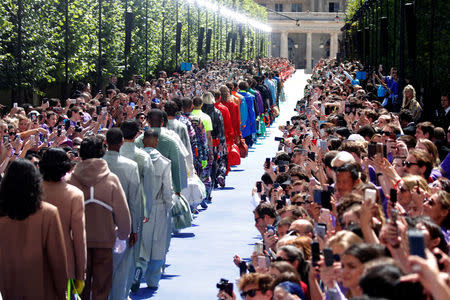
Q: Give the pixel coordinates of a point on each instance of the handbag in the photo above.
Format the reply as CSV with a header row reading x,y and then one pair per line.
x,y
181,213
234,156
243,148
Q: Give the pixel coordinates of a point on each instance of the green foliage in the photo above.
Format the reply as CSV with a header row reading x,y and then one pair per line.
x,y
429,69
44,46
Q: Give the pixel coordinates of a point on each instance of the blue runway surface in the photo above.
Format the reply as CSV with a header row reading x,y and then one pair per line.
x,y
199,256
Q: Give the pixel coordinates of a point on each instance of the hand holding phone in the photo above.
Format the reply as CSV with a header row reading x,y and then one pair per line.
x,y
259,186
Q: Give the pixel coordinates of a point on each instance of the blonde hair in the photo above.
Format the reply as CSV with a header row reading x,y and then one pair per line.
x,y
413,180
411,88
208,98
432,149
344,239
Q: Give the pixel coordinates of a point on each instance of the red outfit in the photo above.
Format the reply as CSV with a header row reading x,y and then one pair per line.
x,y
233,108
229,132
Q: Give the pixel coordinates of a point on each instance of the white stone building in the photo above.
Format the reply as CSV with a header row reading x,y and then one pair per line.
x,y
315,35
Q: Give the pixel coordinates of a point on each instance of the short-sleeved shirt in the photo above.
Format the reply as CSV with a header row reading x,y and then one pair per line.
x,y
206,120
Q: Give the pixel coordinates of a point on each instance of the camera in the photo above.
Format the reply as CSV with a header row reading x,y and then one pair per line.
x,y
226,286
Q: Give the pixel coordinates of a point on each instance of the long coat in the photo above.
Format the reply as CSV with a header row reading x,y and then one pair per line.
x,y
146,172
33,256
169,148
70,203
155,231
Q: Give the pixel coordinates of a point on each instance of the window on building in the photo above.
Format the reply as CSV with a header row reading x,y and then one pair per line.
x,y
278,7
296,7
333,6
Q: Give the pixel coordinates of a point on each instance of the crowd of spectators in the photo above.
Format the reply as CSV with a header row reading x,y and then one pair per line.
x,y
355,204
93,187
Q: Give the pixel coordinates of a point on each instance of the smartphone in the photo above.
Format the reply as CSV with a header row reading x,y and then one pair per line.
x,y
416,243
372,150
33,117
263,198
312,156
324,214
94,118
323,198
288,123
271,253
370,195
380,148
276,185
59,130
270,229
279,139
318,197
15,104
73,101
323,145
315,252
321,229
393,196
267,163
259,247
104,110
328,255
259,186
5,139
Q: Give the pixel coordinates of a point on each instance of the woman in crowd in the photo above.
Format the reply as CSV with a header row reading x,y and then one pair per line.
x,y
32,251
54,165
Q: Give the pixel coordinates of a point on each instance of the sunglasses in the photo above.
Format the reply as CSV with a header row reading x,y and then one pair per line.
x,y
385,133
251,293
408,164
429,201
297,203
402,189
12,133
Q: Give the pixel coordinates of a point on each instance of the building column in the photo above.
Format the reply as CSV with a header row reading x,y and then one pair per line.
x,y
333,44
269,45
308,52
320,5
311,4
284,45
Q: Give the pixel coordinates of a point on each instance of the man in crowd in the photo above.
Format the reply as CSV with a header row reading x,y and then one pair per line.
x,y
130,130
106,209
156,232
128,173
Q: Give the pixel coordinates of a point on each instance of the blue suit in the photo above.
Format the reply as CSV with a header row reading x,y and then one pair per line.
x,y
250,124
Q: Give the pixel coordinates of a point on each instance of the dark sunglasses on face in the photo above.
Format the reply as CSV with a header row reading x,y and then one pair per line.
x,y
402,189
297,203
385,133
429,202
408,164
251,293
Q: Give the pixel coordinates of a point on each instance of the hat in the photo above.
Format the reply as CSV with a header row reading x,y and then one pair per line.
x,y
355,137
292,288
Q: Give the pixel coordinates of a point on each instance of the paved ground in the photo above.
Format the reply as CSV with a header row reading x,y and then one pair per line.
x,y
199,256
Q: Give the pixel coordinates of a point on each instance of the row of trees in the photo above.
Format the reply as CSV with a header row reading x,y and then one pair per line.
x,y
411,35
53,43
